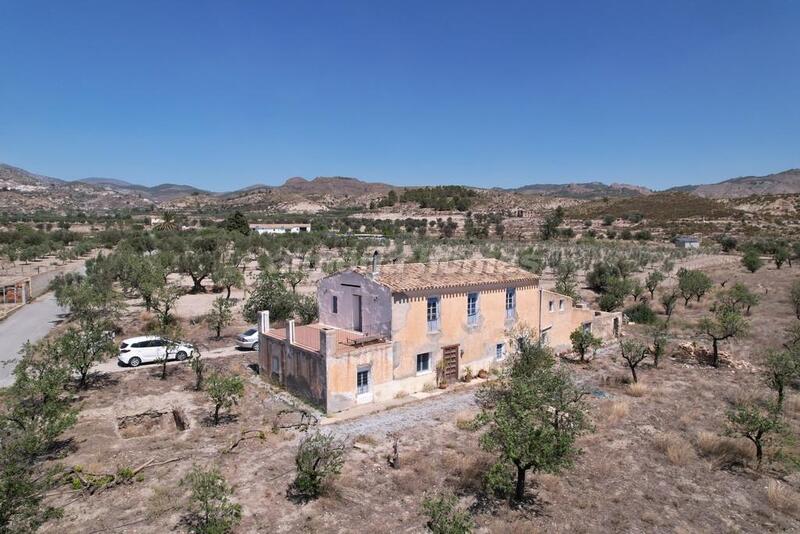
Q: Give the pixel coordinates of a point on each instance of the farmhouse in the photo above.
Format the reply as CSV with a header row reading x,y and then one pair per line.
x,y
280,228
393,328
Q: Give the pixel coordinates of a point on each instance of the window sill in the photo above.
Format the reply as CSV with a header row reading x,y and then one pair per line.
x,y
423,373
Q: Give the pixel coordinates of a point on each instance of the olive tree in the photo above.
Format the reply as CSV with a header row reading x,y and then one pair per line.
x,y
752,260
81,348
532,415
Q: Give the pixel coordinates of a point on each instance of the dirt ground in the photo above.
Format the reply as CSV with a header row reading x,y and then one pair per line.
x,y
656,461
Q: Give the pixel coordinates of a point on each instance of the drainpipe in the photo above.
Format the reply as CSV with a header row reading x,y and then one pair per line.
x,y
541,300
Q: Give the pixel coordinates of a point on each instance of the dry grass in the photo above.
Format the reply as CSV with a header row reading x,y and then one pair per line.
x,y
782,498
614,411
676,447
637,389
365,439
792,404
727,450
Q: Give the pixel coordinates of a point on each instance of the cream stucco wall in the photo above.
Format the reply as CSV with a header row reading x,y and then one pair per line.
x,y
477,344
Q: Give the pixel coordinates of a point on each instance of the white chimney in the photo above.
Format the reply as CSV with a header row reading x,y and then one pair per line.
x,y
376,264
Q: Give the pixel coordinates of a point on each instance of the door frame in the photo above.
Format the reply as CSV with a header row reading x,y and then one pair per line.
x,y
360,310
456,349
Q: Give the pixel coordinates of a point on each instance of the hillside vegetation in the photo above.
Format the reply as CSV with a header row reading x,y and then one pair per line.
x,y
658,207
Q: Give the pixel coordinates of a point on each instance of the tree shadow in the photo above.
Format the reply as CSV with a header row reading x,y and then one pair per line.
x,y
224,419
99,380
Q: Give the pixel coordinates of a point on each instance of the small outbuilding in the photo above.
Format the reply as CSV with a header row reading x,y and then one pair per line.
x,y
687,241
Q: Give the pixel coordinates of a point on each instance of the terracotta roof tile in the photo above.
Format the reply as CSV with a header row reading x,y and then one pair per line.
x,y
406,277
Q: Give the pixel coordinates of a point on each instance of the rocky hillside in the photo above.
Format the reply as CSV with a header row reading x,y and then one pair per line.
x,y
25,192
587,190
158,193
782,183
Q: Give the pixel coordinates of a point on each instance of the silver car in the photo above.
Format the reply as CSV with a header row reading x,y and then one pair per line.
x,y
248,339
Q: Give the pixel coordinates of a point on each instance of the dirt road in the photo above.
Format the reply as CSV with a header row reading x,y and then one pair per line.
x,y
30,323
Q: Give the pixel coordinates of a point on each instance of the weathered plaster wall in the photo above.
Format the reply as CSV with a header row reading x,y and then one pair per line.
x,y
300,371
375,302
343,368
563,322
478,343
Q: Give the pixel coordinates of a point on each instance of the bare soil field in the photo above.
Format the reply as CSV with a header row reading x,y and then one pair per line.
x,y
657,460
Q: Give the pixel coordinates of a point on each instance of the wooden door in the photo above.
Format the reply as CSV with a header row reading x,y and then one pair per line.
x,y
357,322
450,359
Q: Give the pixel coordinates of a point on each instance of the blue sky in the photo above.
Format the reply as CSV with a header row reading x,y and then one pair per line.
x,y
225,94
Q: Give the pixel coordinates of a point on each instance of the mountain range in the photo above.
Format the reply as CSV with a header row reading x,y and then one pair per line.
x,y
20,187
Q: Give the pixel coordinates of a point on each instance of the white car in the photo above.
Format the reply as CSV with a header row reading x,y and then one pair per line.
x,y
135,351
248,339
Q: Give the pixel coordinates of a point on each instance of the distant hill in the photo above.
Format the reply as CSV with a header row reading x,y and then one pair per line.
x,y
22,191
333,185
587,190
157,193
11,176
25,191
782,183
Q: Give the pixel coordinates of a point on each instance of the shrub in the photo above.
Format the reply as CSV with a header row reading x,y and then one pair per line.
x,y
782,498
752,260
444,516
319,457
677,449
211,511
641,313
637,389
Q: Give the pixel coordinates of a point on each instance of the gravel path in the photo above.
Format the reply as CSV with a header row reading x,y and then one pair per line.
x,y
428,412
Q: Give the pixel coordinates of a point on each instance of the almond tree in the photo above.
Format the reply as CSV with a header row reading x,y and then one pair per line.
x,y
633,353
782,368
669,300
756,423
726,323
224,392
794,295
220,315
652,281
583,340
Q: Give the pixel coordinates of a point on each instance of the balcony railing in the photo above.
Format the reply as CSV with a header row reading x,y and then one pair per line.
x,y
369,332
